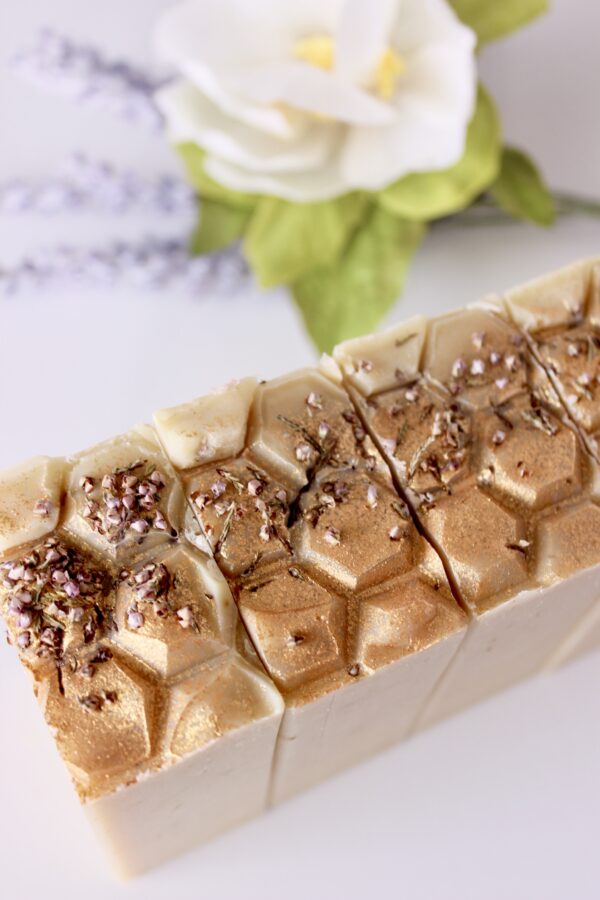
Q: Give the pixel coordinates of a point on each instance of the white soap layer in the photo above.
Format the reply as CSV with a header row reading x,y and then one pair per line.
x,y
340,729
510,642
584,638
178,808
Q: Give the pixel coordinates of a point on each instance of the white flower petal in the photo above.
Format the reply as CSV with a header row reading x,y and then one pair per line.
x,y
313,90
362,35
287,124
299,187
192,117
422,22
234,33
443,78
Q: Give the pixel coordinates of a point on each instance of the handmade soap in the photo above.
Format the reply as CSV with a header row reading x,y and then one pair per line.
x,y
560,315
477,439
325,563
131,635
284,577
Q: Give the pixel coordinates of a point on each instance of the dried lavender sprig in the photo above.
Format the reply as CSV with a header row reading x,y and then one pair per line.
x,y
56,63
150,263
87,185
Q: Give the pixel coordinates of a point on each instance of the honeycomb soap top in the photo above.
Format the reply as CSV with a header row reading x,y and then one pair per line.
x,y
129,631
561,316
476,436
322,555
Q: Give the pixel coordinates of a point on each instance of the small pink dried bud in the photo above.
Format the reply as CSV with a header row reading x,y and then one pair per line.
x,y
218,488
76,614
59,577
113,517
332,536
389,446
371,496
87,670
303,452
495,357
72,589
108,482
86,484
24,640
511,362
148,502
478,338
157,479
24,619
160,523
135,618
459,367
161,608
52,555
411,395
201,500
261,506
264,532
24,597
143,575
314,400
89,510
129,481
365,365
501,383
15,573
498,437
146,592
395,533
43,508
129,502
324,430
140,526
185,616
585,378
477,367
255,487
112,502
573,349
281,496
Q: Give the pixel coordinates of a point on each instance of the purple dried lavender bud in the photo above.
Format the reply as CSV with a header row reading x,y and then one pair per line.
x,y
43,508
24,640
140,526
135,619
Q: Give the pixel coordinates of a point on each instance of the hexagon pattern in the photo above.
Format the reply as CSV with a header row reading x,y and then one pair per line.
x,y
479,443
305,521
119,621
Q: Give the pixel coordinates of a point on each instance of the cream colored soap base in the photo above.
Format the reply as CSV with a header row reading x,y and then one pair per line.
x,y
287,577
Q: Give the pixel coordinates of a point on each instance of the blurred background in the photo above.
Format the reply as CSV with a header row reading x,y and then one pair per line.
x,y
503,801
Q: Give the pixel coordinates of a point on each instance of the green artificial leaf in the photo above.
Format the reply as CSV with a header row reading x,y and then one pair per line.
x,y
520,189
348,299
219,225
492,19
284,240
430,195
193,160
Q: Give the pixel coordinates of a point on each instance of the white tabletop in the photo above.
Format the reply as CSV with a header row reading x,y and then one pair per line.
x,y
500,802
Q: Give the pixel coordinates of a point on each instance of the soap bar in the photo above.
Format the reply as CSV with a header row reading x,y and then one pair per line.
x,y
135,647
560,315
496,472
282,578
326,565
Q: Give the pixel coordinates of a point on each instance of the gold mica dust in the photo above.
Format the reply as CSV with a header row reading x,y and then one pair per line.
x,y
532,467
569,541
573,355
478,537
297,626
214,703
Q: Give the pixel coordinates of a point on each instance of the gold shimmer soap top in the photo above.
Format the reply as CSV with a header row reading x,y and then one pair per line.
x,y
129,631
477,438
301,515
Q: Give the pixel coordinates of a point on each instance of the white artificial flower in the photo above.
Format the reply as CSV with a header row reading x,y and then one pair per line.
x,y
310,99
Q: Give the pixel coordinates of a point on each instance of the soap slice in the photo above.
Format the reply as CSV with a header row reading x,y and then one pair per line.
x,y
326,566
477,439
136,650
560,314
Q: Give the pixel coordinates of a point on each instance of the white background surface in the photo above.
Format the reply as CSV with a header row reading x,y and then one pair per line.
x,y
503,801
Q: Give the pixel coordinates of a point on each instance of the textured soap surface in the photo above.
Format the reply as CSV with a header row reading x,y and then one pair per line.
x,y
129,630
381,541
322,555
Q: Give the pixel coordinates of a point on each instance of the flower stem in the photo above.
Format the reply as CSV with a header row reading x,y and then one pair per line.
x,y
484,210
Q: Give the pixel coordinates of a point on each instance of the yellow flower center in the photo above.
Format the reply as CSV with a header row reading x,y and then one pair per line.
x,y
319,50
